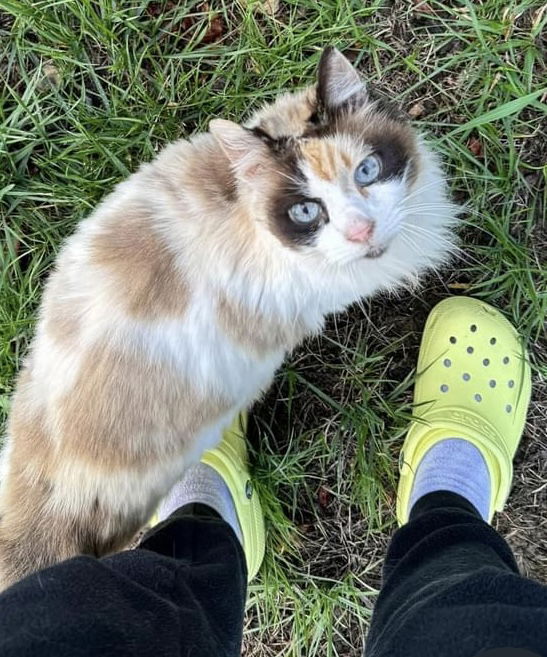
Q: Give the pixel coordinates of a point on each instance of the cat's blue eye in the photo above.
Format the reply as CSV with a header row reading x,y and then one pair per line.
x,y
306,212
368,171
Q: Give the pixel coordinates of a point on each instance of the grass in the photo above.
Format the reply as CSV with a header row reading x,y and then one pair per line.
x,y
91,89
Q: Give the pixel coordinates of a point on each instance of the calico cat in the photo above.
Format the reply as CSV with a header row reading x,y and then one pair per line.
x,y
173,304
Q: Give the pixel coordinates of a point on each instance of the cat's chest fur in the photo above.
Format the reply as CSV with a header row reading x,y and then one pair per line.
x,y
215,346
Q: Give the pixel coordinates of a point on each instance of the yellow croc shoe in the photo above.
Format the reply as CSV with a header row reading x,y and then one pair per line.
x,y
473,381
230,461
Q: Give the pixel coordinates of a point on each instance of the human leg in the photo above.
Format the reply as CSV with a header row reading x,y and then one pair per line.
x,y
181,592
451,585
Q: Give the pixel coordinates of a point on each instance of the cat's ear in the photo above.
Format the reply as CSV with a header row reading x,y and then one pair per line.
x,y
245,151
338,82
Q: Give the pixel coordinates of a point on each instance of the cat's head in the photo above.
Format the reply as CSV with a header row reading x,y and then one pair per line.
x,y
338,175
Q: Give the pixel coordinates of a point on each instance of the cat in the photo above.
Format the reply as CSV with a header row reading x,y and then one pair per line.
x,y
173,304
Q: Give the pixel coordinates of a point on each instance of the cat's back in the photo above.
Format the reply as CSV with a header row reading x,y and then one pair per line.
x,y
126,262
130,309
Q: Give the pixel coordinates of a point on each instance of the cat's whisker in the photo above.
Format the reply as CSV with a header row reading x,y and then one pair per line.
x,y
297,183
464,210
411,244
449,246
407,239
433,183
396,218
359,300
424,229
440,210
436,235
436,206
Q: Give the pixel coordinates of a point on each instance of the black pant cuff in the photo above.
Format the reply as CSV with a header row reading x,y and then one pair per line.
x,y
442,499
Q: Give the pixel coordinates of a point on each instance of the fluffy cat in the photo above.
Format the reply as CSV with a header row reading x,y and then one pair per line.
x,y
174,303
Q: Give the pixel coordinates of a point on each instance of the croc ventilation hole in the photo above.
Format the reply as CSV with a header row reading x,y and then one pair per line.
x,y
486,362
453,339
466,376
511,383
444,388
473,328
470,350
478,398
492,383
447,362
493,340
506,360
508,408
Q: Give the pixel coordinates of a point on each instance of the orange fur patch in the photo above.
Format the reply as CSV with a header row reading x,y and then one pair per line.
x,y
288,115
120,405
143,270
346,159
317,155
325,159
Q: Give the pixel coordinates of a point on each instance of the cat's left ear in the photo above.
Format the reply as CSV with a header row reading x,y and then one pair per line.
x,y
245,151
338,82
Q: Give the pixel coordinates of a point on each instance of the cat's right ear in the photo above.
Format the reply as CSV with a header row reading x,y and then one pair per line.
x,y
339,83
245,151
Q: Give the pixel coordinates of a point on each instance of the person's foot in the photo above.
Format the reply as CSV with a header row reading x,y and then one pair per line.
x,y
221,481
472,393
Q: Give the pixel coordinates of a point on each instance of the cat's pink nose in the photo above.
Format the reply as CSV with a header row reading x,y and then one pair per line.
x,y
360,231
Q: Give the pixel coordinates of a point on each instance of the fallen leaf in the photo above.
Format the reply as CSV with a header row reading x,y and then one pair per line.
x,y
215,30
475,146
416,111
323,497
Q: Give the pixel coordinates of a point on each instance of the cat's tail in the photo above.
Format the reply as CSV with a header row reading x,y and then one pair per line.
x,y
31,536
35,534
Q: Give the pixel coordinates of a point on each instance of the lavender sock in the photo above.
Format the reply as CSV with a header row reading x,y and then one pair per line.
x,y
455,465
202,484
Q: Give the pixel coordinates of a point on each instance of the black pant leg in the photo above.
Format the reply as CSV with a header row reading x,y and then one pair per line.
x,y
182,593
452,589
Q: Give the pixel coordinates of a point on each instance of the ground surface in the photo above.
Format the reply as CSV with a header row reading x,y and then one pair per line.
x,y
90,89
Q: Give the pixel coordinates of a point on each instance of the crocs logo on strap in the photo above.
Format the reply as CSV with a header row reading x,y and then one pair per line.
x,y
475,422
